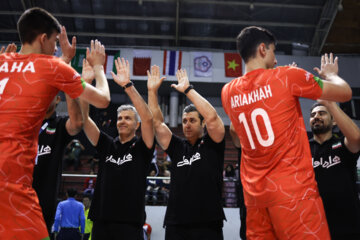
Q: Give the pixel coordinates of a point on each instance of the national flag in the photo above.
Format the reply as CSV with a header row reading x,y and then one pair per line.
x,y
172,62
336,145
76,62
141,62
50,130
202,64
233,66
109,65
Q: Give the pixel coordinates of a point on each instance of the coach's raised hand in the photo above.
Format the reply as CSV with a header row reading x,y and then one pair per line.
x,y
123,72
154,80
183,81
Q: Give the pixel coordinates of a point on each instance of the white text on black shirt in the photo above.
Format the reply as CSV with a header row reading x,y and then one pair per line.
x,y
184,162
119,161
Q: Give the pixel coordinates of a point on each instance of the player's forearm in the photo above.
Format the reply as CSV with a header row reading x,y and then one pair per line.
x,y
155,108
139,103
343,89
102,84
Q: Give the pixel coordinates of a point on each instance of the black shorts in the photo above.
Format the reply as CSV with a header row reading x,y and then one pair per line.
x,y
112,230
193,233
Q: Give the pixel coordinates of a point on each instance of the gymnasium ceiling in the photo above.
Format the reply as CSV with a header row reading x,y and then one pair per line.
x,y
322,25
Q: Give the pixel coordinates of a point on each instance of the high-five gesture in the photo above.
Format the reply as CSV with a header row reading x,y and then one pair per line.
x,y
96,54
329,66
154,80
68,50
183,81
88,73
93,67
123,72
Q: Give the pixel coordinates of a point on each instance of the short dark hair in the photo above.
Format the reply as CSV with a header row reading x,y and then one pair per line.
x,y
192,108
71,192
316,104
35,21
249,39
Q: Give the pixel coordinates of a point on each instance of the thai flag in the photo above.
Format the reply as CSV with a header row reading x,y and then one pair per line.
x,y
172,62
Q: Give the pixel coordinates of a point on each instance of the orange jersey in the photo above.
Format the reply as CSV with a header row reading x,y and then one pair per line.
x,y
28,83
264,108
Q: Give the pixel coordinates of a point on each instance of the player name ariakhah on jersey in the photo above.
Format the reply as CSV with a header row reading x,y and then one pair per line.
x,y
28,83
264,108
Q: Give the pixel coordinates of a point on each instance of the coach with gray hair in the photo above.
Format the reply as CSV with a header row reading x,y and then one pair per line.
x,y
118,206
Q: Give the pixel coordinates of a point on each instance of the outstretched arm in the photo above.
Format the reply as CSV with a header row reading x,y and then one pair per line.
x,y
74,124
350,130
122,78
334,87
98,96
214,124
162,132
92,132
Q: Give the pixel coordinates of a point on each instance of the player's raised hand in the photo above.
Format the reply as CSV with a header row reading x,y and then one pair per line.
x,y
88,73
123,72
183,81
96,54
293,64
154,80
329,66
10,48
68,50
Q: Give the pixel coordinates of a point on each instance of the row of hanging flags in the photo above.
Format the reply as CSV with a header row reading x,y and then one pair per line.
x,y
202,62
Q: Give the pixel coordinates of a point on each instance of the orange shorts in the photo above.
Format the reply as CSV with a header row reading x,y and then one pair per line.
x,y
20,213
301,219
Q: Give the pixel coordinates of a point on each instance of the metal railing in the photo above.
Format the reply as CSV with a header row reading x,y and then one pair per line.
x,y
159,196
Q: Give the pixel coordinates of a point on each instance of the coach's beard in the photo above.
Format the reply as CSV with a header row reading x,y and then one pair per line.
x,y
320,129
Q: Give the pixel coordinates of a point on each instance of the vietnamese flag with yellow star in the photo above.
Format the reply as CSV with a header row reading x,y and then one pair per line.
x,y
233,66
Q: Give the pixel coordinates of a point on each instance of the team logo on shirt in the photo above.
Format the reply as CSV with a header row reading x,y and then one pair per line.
x,y
326,164
44,150
185,161
119,161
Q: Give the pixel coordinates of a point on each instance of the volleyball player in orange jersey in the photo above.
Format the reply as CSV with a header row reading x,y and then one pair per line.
x,y
29,81
280,190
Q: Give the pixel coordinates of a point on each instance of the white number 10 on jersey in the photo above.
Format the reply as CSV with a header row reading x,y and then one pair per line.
x,y
3,83
254,114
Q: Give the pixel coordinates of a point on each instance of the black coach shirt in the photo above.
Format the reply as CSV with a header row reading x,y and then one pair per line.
x,y
48,167
121,181
335,173
196,182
